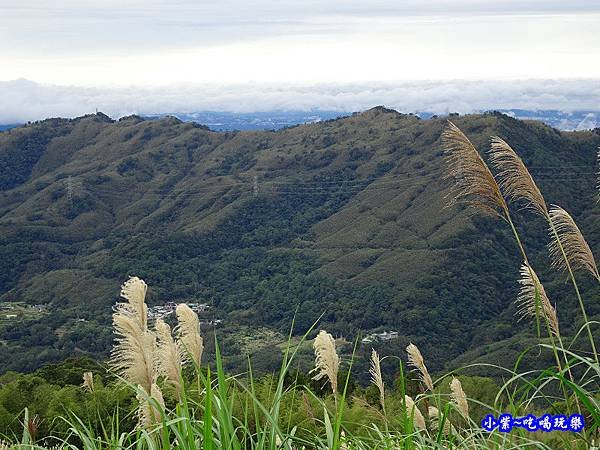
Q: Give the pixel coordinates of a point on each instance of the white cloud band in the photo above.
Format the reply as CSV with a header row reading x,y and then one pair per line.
x,y
23,100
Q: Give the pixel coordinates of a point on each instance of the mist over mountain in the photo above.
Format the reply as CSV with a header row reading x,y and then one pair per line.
x,y
345,218
557,100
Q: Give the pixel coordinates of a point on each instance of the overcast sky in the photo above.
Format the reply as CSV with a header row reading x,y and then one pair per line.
x,y
143,44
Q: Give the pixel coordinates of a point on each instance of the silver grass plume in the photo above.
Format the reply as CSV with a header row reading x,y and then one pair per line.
x,y
376,378
474,183
526,301
414,412
132,356
134,290
568,238
188,333
459,398
327,361
88,381
514,178
148,414
434,421
416,360
169,356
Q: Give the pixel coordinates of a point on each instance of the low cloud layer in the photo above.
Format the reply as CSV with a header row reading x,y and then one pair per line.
x,y
23,100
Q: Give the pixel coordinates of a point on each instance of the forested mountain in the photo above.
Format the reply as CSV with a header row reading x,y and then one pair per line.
x,y
345,218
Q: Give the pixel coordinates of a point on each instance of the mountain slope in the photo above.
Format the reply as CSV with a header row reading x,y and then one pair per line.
x,y
344,217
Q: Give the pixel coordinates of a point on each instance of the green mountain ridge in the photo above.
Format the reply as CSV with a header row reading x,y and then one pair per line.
x,y
345,218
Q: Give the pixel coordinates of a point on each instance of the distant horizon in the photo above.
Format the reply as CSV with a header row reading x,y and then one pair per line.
x,y
23,100
278,119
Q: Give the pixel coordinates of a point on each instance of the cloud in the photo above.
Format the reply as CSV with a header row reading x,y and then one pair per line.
x,y
92,43
23,100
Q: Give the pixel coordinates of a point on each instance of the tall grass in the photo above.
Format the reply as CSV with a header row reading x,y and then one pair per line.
x,y
183,404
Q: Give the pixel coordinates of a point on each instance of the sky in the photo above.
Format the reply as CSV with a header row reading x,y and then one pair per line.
x,y
81,48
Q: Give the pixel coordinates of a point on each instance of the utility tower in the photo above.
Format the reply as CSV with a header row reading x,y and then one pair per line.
x,y
70,190
255,186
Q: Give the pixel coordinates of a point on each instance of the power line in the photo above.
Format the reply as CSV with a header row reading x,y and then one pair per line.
x,y
267,184
410,174
338,187
296,187
272,189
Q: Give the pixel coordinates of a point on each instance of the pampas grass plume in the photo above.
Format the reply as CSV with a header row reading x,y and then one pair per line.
x,y
416,360
568,238
168,356
148,414
514,178
88,381
415,413
134,290
526,301
132,356
327,361
474,183
459,398
376,378
434,421
188,333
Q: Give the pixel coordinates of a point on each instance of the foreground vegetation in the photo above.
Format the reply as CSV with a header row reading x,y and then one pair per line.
x,y
159,393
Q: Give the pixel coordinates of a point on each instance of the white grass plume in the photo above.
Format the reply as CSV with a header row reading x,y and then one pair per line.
x,y
88,381
571,240
168,357
416,360
327,361
132,356
434,421
514,178
526,301
148,414
188,333
415,413
376,378
459,397
474,183
134,290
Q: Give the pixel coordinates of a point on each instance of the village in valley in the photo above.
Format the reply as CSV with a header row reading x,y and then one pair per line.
x,y
383,336
168,309
17,310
